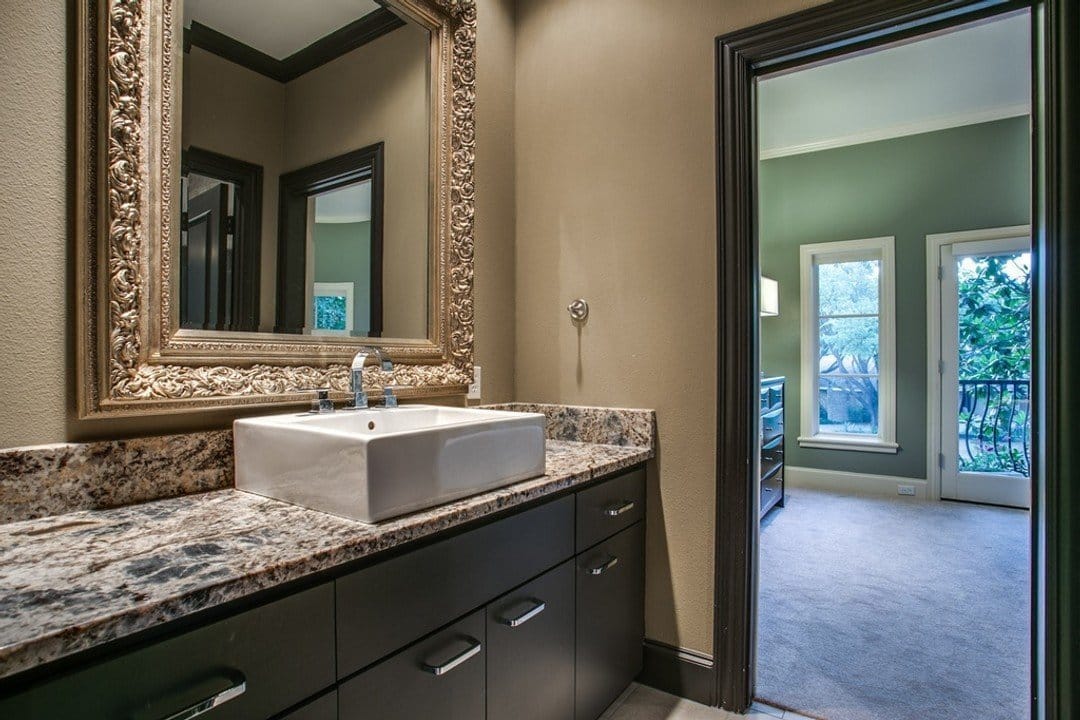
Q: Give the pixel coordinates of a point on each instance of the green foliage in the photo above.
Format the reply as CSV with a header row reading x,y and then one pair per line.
x,y
330,312
995,318
848,346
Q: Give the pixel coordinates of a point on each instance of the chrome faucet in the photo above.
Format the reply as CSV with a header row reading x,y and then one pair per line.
x,y
356,378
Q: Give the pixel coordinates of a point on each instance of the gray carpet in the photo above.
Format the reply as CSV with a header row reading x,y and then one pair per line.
x,y
882,609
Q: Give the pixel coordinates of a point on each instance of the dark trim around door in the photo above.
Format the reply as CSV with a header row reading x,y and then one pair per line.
x,y
842,27
247,232
295,187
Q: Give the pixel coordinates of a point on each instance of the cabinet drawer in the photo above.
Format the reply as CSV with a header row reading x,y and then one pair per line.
x,y
607,508
386,606
323,708
283,652
772,425
530,635
771,460
610,591
441,676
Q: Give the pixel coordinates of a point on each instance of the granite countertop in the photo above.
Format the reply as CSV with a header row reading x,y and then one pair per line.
x,y
75,581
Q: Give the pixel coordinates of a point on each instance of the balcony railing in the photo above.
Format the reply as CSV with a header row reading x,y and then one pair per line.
x,y
995,426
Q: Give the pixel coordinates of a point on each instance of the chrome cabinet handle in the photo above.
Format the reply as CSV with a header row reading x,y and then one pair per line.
x,y
464,655
604,566
526,616
230,693
617,510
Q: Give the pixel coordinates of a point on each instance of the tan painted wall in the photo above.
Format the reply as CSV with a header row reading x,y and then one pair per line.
x,y
615,193
494,291
37,364
377,93
238,112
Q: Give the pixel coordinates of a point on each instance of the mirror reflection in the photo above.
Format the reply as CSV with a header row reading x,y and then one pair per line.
x,y
305,180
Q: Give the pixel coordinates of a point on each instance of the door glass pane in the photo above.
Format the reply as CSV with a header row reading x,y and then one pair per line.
x,y
994,362
848,405
848,288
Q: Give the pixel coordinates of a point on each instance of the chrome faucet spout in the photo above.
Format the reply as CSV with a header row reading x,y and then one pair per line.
x,y
356,377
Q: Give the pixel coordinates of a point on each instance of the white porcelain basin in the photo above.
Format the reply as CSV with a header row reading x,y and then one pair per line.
x,y
370,465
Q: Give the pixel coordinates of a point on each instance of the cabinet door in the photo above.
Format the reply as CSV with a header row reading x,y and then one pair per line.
x,y
610,581
530,634
442,676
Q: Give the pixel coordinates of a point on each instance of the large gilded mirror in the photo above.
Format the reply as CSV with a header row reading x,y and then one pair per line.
x,y
269,186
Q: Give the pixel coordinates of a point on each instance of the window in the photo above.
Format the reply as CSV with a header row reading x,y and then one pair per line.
x,y
848,346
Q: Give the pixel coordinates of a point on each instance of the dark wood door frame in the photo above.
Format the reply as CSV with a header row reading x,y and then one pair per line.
x,y
839,28
246,231
296,187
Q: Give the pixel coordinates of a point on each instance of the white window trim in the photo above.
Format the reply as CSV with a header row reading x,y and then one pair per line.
x,y
810,255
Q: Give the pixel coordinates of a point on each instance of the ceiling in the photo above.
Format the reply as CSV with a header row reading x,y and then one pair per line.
x,y
348,205
978,73
276,27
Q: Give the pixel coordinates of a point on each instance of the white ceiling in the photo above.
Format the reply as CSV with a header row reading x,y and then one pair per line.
x,y
348,205
975,74
276,27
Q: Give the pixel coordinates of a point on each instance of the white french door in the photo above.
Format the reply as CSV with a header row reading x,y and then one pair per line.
x,y
985,398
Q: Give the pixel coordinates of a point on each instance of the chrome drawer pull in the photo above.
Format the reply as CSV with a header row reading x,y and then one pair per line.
x,y
617,510
527,615
472,651
605,566
203,706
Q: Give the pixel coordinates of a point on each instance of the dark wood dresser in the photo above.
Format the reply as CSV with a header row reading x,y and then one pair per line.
x,y
772,444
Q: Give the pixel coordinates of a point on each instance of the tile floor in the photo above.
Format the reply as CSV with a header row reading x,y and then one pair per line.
x,y
641,702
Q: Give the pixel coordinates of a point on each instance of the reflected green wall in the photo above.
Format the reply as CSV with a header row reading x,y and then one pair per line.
x,y
343,254
959,179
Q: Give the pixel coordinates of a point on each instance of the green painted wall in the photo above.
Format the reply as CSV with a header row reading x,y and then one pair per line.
x,y
960,179
343,254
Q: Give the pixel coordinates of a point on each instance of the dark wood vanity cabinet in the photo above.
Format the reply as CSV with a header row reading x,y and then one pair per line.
x,y
537,615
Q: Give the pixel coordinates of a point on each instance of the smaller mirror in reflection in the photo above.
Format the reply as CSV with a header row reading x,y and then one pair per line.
x,y
305,169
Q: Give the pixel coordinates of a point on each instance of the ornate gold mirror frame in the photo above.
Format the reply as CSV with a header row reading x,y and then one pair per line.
x,y
132,360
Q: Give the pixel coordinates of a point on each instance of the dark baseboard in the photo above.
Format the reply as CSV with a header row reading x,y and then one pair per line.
x,y
680,672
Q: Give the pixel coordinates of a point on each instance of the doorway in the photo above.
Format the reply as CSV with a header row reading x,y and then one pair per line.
x,y
982,355
815,35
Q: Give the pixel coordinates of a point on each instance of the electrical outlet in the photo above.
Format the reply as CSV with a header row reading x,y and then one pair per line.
x,y
475,385
905,490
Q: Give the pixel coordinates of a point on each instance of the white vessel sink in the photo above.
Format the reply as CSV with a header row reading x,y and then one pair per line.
x,y
369,465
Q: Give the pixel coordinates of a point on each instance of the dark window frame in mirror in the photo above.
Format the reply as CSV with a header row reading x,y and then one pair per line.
x,y
296,188
246,230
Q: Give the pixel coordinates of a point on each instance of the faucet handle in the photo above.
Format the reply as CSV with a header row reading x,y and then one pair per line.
x,y
322,403
389,398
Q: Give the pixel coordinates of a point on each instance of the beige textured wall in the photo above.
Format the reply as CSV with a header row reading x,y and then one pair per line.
x,y
377,93
494,174
615,189
37,363
238,112
34,357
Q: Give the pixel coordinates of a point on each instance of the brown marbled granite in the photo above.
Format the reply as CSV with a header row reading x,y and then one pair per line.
x,y
602,425
75,581
36,482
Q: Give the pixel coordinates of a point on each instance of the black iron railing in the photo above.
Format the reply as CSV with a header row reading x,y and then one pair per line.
x,y
995,426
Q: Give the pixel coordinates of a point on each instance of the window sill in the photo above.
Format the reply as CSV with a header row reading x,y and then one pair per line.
x,y
836,442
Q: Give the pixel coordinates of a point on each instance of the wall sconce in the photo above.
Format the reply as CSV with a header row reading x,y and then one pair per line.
x,y
770,297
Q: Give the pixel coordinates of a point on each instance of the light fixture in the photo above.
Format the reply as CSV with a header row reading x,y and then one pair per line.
x,y
770,297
